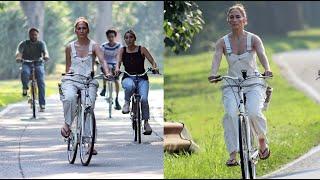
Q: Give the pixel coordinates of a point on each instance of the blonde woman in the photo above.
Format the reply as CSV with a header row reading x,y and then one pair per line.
x,y
240,48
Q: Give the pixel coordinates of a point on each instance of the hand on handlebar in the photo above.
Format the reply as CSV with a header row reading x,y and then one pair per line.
x,y
214,79
117,72
268,73
155,71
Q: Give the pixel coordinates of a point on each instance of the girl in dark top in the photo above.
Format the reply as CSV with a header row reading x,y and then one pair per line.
x,y
132,57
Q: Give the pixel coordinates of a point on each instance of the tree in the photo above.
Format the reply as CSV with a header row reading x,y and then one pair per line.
x,y
182,20
34,11
104,20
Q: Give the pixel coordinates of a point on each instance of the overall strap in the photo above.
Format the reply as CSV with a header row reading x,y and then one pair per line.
x,y
90,48
249,38
73,49
227,43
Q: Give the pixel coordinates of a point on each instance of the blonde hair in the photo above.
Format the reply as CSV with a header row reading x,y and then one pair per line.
x,y
81,19
130,31
239,7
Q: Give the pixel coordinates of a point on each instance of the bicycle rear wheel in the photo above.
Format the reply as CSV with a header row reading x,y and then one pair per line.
x,y
87,136
73,140
243,148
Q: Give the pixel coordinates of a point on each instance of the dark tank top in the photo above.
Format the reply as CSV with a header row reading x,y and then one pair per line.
x,y
133,63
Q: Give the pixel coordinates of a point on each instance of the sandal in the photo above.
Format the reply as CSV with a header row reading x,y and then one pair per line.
x,y
263,155
65,133
232,162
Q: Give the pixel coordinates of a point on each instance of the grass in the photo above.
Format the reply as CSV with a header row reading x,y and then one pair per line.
x,y
293,119
10,90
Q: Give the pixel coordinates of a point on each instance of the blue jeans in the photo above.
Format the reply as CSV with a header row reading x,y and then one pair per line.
x,y
25,75
143,89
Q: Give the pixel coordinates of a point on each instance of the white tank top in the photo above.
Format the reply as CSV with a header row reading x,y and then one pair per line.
x,y
81,65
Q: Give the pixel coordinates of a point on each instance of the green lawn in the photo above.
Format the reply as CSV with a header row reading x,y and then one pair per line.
x,y
293,119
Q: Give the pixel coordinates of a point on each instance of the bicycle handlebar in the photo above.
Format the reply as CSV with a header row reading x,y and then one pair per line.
x,y
139,75
100,76
32,61
220,78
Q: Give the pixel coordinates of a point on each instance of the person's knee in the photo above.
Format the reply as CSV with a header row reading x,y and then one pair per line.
x,y
69,97
128,85
253,113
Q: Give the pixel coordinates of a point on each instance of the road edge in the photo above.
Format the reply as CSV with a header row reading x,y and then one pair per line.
x,y
306,89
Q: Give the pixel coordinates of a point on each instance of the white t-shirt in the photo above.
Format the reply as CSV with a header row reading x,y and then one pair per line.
x,y
110,52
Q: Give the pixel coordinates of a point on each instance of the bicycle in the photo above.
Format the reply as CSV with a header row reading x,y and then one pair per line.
x,y
108,97
84,118
249,152
33,84
135,112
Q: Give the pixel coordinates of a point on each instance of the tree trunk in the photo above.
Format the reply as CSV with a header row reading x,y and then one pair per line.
x,y
104,20
34,11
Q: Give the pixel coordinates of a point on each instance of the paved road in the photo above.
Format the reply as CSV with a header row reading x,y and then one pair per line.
x,y
302,68
35,149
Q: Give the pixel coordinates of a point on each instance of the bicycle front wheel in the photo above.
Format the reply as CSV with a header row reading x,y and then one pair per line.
x,y
243,148
73,141
134,119
87,137
138,123
33,96
110,98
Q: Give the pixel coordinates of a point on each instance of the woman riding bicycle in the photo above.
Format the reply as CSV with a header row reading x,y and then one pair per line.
x,y
80,55
133,57
240,48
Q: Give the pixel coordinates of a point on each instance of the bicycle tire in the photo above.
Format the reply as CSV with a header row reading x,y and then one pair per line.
x,y
110,98
243,148
72,153
138,112
252,165
33,100
86,160
134,120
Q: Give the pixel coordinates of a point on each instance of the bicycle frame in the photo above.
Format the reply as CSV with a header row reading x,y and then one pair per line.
x,y
33,89
136,105
251,152
82,109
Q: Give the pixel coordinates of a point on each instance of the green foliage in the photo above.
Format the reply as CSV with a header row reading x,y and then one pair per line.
x,y
145,18
57,31
149,27
265,18
182,20
1,6
13,22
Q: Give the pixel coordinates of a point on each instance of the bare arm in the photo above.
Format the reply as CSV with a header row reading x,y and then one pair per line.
x,y
119,61
99,54
19,52
146,53
258,46
45,52
68,58
217,57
